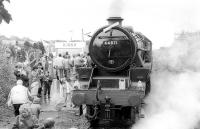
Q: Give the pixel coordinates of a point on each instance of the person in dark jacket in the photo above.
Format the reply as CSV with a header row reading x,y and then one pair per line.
x,y
40,75
21,74
47,81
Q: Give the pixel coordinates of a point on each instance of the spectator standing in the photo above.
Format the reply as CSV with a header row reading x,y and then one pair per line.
x,y
35,82
84,57
71,63
46,64
78,61
66,66
34,75
58,65
89,60
67,89
47,84
19,95
40,75
51,69
21,74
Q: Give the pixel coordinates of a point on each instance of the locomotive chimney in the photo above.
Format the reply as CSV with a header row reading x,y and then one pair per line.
x,y
112,20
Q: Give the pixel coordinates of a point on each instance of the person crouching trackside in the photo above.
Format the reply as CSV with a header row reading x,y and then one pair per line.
x,y
19,95
25,120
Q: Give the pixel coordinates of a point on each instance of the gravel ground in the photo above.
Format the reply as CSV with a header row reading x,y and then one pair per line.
x,y
65,118
6,117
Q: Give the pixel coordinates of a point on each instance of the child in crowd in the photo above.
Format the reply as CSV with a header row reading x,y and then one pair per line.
x,y
67,89
74,82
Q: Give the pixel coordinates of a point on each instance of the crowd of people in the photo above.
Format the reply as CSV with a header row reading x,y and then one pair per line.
x,y
34,84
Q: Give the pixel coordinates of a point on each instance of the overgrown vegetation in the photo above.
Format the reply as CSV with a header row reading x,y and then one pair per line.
x,y
7,79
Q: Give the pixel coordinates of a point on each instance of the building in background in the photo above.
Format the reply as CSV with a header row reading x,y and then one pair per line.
x,y
72,47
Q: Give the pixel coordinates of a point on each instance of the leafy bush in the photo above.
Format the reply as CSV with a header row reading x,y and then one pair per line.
x,y
7,79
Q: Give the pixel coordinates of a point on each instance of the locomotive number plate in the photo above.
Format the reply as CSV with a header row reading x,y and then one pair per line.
x,y
110,42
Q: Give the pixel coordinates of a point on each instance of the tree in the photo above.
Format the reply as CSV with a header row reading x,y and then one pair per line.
x,y
41,47
27,45
35,46
21,55
4,14
13,52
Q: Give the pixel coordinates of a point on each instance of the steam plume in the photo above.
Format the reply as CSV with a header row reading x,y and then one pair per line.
x,y
174,102
116,8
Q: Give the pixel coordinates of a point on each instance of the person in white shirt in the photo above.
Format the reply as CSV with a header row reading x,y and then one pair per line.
x,y
67,90
58,65
19,95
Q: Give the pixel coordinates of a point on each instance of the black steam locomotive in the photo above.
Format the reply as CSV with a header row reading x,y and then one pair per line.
x,y
113,89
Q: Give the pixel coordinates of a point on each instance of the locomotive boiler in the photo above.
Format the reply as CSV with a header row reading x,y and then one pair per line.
x,y
113,89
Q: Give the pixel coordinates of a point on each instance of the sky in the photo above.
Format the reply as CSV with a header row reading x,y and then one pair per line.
x,y
159,20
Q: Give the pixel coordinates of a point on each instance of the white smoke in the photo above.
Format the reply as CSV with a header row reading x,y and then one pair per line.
x,y
174,101
116,8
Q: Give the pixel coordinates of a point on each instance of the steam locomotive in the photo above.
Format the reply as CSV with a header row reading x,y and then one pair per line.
x,y
113,90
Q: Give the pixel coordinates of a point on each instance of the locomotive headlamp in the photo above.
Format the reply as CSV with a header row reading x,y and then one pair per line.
x,y
140,85
122,84
111,61
84,87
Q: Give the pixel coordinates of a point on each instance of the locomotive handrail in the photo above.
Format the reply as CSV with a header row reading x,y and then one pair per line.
x,y
98,89
90,80
110,27
110,77
140,58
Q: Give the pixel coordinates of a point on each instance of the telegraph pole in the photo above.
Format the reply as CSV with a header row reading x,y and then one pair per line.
x,y
82,35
